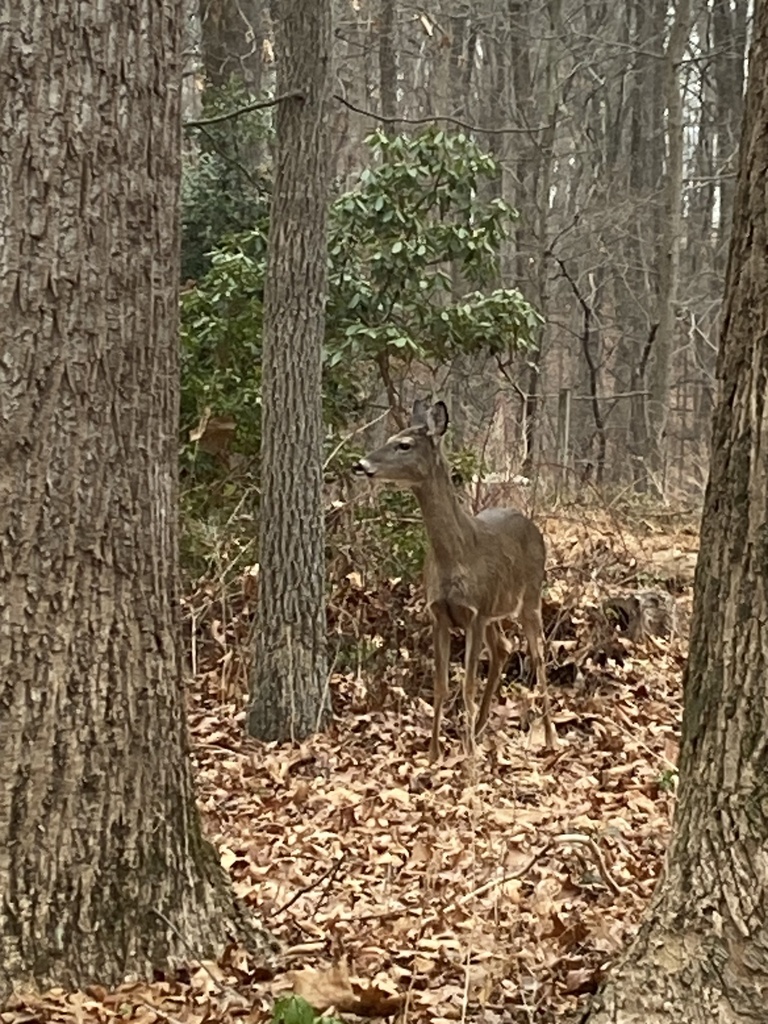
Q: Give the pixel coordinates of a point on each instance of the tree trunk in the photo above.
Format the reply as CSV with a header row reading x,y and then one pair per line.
x,y
288,697
729,22
103,869
669,247
388,62
702,953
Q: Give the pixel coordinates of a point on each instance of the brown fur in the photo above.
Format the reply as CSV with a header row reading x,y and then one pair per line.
x,y
478,569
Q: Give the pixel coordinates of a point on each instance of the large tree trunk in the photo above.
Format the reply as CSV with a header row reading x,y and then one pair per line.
x,y
103,869
702,953
289,695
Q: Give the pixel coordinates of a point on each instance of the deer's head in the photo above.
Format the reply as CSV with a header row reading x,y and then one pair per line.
x,y
410,457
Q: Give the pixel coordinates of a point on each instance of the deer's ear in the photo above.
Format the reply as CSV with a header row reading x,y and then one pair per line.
x,y
437,419
419,414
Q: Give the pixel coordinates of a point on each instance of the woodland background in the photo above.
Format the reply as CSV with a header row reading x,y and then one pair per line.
x,y
529,218
613,132
570,169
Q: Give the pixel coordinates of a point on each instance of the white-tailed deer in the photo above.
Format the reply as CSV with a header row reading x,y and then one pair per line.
x,y
478,569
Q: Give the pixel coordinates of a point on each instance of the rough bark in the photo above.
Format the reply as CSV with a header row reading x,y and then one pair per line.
x,y
702,953
103,868
289,698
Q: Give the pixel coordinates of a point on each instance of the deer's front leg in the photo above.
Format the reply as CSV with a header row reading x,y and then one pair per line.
x,y
441,639
474,632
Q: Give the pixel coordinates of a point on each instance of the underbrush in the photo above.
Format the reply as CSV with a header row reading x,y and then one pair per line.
x,y
499,889
378,627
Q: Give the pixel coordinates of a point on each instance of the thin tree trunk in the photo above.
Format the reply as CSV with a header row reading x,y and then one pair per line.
x,y
541,179
669,248
729,21
388,62
103,868
638,286
288,696
702,953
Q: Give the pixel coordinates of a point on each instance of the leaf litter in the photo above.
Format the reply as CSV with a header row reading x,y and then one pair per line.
x,y
499,889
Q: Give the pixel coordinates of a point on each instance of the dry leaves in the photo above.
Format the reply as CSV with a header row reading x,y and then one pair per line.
x,y
494,890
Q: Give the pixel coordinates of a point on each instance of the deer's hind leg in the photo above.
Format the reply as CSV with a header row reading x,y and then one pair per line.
x,y
498,652
530,620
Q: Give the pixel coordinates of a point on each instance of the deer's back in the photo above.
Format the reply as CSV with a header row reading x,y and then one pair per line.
x,y
499,563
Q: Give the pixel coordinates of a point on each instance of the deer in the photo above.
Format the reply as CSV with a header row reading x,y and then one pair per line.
x,y
478,570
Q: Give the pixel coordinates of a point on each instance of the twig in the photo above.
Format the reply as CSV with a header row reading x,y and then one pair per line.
x,y
566,837
465,986
487,886
348,437
578,837
328,875
296,94
200,122
229,159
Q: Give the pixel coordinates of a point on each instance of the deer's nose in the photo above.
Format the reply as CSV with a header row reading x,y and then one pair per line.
x,y
363,468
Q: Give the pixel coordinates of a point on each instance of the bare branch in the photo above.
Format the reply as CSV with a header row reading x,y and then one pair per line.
x,y
258,105
434,118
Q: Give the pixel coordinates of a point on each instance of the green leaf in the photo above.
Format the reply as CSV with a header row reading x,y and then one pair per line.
x,y
293,1010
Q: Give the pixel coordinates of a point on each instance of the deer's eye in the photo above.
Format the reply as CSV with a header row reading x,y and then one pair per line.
x,y
404,446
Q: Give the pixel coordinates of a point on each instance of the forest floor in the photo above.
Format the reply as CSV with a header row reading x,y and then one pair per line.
x,y
494,890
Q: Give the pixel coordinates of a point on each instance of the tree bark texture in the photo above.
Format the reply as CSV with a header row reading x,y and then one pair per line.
x,y
289,698
702,954
103,869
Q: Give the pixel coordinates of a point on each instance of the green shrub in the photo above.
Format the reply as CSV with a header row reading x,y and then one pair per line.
x,y
413,223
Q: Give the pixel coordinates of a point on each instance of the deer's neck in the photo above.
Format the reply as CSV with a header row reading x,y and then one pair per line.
x,y
449,527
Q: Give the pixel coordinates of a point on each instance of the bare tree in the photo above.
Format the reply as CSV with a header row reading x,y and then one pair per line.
x,y
103,868
669,238
288,696
702,952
